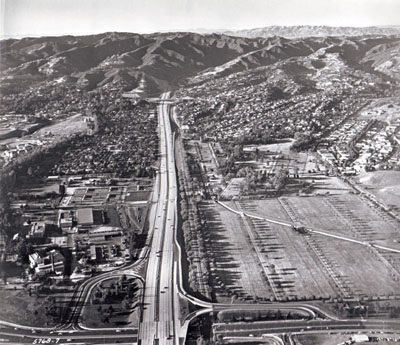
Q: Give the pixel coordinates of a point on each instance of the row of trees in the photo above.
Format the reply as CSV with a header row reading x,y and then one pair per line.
x,y
257,315
198,275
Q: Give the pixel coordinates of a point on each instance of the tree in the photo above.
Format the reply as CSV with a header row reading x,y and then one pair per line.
x,y
201,341
302,141
22,251
280,179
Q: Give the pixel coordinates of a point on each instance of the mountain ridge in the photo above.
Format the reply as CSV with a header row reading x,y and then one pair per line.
x,y
164,60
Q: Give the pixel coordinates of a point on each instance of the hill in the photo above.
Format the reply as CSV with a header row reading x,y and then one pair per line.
x,y
120,59
162,61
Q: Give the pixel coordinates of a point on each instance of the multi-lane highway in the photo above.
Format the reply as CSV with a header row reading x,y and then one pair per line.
x,y
160,295
9,335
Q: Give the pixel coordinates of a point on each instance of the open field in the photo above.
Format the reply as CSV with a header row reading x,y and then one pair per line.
x,y
32,310
71,125
296,273
365,221
64,128
314,265
236,263
384,185
327,185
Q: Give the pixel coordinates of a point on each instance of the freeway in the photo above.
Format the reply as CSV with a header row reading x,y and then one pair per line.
x,y
160,295
243,329
16,336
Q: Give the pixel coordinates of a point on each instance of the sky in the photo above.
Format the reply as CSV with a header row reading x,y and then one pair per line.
x,y
20,18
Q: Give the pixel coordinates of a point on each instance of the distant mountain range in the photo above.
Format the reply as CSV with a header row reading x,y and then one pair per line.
x,y
301,31
162,61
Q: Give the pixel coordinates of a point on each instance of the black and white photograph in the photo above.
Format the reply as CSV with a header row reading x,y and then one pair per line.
x,y
199,172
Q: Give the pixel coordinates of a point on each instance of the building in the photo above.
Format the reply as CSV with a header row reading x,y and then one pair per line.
x,y
106,234
66,219
359,338
2,243
106,243
51,263
38,229
84,216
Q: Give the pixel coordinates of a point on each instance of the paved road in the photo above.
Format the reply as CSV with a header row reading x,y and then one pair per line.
x,y
158,318
243,329
17,336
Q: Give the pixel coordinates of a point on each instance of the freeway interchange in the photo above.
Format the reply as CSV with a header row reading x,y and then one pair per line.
x,y
161,322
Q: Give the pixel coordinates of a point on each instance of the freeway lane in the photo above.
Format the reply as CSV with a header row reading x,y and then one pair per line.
x,y
159,296
167,292
148,326
243,329
12,336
